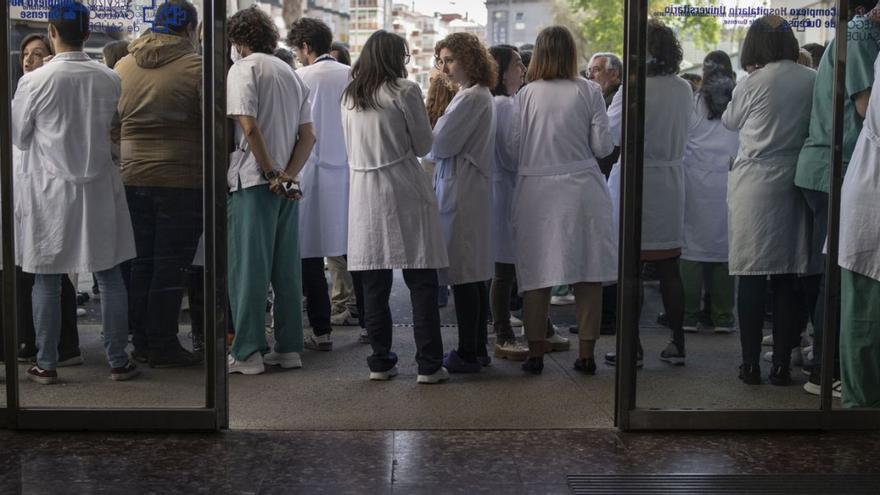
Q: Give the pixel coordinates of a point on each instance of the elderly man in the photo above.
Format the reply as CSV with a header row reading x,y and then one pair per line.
x,y
606,70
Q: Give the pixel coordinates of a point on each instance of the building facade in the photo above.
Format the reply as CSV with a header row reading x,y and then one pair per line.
x,y
517,22
334,13
366,17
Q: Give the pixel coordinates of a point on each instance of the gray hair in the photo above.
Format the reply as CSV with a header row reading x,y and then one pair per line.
x,y
612,61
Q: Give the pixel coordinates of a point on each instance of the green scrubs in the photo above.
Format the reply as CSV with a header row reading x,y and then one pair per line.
x,y
719,284
859,340
263,242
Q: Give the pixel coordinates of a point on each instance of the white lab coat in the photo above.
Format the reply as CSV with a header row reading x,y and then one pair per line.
x,y
323,211
859,251
393,222
562,215
767,216
464,142
71,215
669,102
503,181
710,149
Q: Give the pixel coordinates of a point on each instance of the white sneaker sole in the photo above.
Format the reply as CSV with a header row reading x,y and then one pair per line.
x,y
383,376
690,329
247,371
286,364
725,329
440,376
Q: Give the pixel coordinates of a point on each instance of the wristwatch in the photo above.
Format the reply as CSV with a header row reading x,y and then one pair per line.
x,y
270,175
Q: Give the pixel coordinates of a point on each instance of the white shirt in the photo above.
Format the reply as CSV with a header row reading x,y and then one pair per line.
x,y
266,88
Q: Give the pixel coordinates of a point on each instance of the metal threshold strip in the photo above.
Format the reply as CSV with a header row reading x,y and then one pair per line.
x,y
807,484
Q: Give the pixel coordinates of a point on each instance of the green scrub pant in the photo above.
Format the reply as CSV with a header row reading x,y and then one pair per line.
x,y
859,340
263,243
719,284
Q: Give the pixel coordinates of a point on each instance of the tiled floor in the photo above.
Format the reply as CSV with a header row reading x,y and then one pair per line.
x,y
411,462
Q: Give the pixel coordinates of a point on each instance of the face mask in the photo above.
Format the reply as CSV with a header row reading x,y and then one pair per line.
x,y
236,55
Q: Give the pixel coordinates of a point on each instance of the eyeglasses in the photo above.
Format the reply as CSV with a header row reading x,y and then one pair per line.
x,y
439,62
406,58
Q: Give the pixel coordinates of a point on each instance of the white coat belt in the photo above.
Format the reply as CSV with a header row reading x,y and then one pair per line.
x,y
409,156
565,168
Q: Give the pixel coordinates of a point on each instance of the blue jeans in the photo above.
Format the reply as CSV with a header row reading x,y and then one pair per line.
x,y
46,297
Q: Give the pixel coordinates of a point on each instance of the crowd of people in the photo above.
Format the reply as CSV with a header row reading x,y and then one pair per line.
x,y
521,196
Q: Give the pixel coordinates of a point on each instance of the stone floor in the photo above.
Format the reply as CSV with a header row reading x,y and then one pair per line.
x,y
409,462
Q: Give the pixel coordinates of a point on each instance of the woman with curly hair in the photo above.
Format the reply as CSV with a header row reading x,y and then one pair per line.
x,y
395,225
464,140
669,103
768,225
274,136
561,209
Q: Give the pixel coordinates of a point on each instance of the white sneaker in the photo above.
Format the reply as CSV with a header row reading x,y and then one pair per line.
x,y
287,360
767,340
81,311
342,319
690,328
253,365
725,329
383,376
565,300
438,376
515,322
558,342
318,342
816,389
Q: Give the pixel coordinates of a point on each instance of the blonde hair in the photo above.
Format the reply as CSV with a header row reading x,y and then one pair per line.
x,y
441,91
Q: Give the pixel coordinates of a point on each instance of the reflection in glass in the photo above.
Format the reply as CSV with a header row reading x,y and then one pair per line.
x,y
108,204
747,252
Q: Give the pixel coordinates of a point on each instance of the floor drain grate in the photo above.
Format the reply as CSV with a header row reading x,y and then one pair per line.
x,y
740,484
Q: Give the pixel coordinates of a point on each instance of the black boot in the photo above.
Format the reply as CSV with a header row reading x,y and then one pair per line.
x,y
534,365
750,374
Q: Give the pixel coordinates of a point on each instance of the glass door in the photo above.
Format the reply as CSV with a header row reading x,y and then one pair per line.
x,y
114,260
737,122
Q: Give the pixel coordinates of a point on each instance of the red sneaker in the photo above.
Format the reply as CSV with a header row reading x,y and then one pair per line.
x,y
41,376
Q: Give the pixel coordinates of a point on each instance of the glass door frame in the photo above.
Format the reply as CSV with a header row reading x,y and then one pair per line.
x,y
214,415
628,416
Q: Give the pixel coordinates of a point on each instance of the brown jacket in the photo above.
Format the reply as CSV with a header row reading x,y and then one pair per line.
x,y
160,110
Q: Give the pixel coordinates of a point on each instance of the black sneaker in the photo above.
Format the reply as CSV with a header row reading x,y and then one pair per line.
x,y
27,354
175,358
140,355
780,375
573,329
673,354
124,373
41,376
750,374
82,298
611,359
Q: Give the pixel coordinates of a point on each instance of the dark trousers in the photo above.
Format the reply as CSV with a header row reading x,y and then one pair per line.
x,y
357,282
814,285
472,313
609,308
317,296
68,346
423,289
167,224
672,294
751,297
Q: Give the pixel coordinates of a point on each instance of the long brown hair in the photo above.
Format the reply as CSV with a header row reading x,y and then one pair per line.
x,y
472,55
555,56
381,61
441,91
